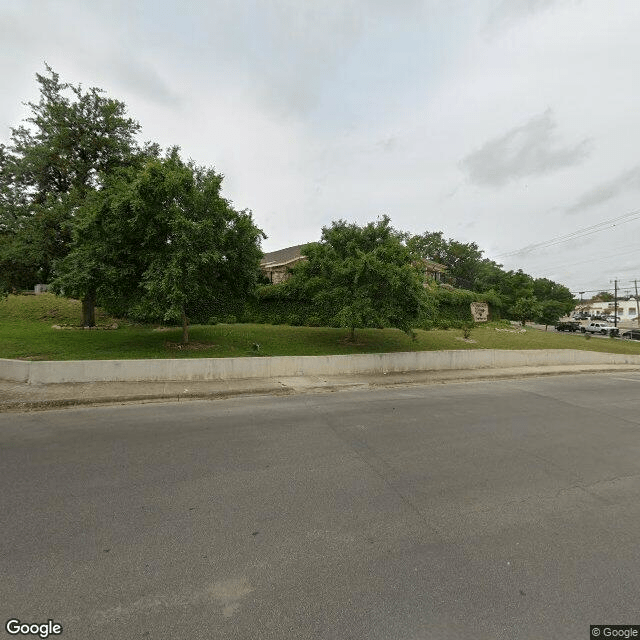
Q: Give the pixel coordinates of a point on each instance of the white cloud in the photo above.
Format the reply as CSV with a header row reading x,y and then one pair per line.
x,y
626,181
527,150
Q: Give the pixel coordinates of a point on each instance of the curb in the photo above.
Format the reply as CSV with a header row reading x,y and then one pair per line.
x,y
64,403
298,386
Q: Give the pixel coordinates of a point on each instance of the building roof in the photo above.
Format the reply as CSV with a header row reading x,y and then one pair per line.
x,y
282,256
291,254
434,266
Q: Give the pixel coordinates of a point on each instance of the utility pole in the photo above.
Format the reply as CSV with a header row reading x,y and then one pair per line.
x,y
637,304
615,303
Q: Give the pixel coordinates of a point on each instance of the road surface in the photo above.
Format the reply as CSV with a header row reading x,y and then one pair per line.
x,y
503,509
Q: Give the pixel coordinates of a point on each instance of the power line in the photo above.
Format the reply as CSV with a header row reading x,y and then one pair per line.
x,y
601,289
591,260
579,233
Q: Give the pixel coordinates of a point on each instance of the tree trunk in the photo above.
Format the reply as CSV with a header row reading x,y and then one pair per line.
x,y
352,337
89,309
185,328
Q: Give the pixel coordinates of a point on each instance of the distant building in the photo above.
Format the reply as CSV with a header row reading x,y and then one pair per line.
x,y
433,270
276,265
627,309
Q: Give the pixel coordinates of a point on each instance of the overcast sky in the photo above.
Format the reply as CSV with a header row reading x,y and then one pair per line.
x,y
503,122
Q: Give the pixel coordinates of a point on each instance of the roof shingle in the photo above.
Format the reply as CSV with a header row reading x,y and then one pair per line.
x,y
282,256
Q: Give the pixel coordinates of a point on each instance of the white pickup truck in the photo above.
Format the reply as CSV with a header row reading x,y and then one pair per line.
x,y
600,327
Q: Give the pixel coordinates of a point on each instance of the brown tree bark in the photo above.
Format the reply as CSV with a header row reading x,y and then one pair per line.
x,y
89,309
185,328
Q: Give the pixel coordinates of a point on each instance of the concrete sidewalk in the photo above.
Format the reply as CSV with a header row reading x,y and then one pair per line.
x,y
27,397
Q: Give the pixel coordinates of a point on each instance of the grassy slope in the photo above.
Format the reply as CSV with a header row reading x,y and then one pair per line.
x,y
26,333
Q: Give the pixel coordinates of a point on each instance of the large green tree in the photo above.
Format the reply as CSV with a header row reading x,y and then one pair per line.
x,y
468,269
461,259
526,309
550,291
161,241
365,275
61,153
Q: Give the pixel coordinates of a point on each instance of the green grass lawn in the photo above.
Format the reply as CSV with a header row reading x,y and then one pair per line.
x,y
26,333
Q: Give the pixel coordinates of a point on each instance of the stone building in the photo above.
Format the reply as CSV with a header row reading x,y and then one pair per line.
x,y
433,271
275,265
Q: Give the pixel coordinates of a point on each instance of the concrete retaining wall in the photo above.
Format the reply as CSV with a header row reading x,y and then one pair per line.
x,y
41,372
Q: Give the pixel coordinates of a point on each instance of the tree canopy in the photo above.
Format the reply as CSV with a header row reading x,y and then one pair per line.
x,y
72,139
526,309
468,269
160,241
550,312
462,260
603,296
364,274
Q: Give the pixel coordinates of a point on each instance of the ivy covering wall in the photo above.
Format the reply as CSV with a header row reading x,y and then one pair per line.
x,y
441,308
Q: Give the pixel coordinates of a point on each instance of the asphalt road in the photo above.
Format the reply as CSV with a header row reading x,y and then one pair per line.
x,y
503,509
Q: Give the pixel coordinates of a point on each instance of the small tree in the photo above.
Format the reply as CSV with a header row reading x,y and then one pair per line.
x,y
603,296
364,275
467,328
550,312
526,309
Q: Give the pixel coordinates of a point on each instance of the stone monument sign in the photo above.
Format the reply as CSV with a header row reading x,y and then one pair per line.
x,y
480,311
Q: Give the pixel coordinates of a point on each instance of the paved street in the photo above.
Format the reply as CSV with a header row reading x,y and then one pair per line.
x,y
500,509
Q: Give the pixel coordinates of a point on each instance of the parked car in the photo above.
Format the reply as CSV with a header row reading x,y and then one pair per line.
x,y
633,334
581,316
600,327
612,319
568,325
598,318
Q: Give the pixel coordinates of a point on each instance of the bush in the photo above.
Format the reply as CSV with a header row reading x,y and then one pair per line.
x,y
444,308
425,325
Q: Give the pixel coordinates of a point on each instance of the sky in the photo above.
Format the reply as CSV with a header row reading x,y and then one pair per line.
x,y
514,124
